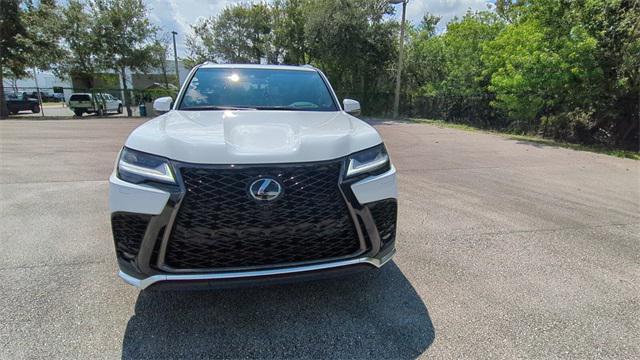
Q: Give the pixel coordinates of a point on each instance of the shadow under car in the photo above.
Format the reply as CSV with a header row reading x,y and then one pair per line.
x,y
375,314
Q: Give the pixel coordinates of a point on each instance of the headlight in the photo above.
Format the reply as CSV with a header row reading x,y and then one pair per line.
x,y
368,160
137,167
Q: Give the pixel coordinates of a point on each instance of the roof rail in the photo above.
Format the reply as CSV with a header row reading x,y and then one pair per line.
x,y
309,66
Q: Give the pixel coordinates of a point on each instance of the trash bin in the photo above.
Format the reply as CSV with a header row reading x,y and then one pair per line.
x,y
143,110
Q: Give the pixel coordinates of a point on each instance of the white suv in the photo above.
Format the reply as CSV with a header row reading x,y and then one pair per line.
x,y
254,174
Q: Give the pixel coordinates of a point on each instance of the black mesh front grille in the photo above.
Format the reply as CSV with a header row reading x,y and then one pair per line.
x,y
128,232
384,214
219,225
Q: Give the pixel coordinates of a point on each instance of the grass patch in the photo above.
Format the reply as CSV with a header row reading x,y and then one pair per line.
x,y
444,124
591,148
534,139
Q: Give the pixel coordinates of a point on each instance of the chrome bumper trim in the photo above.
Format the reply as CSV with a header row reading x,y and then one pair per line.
x,y
146,282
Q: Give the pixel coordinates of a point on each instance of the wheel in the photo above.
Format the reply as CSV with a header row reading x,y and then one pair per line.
x,y
100,112
35,109
120,109
78,112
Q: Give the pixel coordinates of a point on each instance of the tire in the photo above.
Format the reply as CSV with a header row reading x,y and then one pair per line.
x,y
35,109
78,112
120,109
100,112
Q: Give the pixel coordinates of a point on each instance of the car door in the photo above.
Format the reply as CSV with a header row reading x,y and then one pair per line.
x,y
107,102
112,102
25,104
98,101
13,103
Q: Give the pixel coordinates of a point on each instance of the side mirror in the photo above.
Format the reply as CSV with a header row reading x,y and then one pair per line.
x,y
351,106
163,104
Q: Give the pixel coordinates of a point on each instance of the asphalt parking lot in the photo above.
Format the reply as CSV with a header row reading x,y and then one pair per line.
x,y
506,249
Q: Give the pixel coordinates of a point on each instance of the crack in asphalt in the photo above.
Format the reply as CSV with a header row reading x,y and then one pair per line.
x,y
28,267
546,230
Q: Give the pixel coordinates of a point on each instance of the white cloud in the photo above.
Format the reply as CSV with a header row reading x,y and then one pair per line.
x,y
446,9
179,15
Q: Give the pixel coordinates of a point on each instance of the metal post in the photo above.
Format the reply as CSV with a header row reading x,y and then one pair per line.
x,y
122,85
35,76
175,57
396,98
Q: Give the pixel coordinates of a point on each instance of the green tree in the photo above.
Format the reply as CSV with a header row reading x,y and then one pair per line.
x,y
239,34
508,10
44,31
424,58
81,43
351,41
43,21
12,46
161,52
125,38
534,74
463,47
615,25
355,45
288,27
447,70
570,69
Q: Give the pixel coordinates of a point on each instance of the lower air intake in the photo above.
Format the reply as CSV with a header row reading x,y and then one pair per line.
x,y
128,232
385,213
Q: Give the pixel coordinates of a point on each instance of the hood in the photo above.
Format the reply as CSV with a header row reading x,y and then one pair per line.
x,y
253,136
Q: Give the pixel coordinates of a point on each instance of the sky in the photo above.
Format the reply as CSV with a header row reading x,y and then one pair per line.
x,y
178,15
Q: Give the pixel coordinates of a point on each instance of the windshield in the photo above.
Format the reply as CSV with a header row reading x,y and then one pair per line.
x,y
80,97
263,89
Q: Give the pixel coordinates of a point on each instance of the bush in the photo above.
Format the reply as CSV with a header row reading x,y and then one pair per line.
x,y
572,126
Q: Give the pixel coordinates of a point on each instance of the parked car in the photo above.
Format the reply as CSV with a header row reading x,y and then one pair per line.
x,y
57,97
43,95
254,174
94,103
21,102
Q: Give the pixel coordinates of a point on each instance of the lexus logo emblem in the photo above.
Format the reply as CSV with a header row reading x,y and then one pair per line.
x,y
265,189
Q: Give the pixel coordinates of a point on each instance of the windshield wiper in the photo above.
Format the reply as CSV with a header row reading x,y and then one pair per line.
x,y
211,107
287,108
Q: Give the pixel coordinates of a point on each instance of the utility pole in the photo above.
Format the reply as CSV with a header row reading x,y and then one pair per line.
x,y
175,57
4,111
396,97
35,77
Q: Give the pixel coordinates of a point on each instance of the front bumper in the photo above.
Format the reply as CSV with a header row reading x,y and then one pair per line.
x,y
160,205
257,275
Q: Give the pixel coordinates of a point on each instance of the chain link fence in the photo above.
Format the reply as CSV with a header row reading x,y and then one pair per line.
x,y
55,102
472,109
